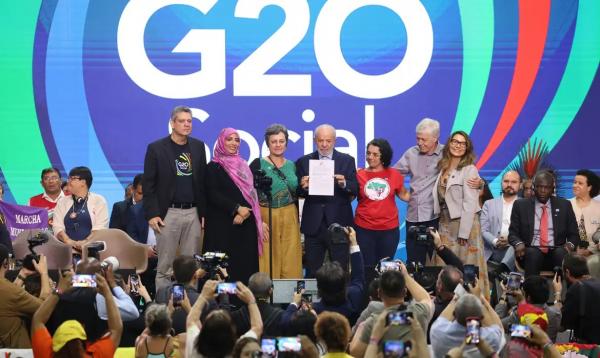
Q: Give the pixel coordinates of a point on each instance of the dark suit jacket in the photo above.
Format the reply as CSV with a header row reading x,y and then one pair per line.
x,y
137,225
118,216
159,176
336,208
581,311
523,216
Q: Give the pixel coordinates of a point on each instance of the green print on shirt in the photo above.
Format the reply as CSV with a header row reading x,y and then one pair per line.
x,y
184,164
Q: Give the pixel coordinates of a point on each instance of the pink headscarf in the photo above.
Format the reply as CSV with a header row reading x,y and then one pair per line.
x,y
239,171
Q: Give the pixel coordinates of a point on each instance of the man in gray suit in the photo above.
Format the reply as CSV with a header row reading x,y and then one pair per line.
x,y
495,221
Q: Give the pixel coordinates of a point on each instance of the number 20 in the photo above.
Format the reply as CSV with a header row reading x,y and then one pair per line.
x,y
250,78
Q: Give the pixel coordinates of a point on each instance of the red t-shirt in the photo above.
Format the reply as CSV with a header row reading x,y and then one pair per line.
x,y
376,208
41,343
39,201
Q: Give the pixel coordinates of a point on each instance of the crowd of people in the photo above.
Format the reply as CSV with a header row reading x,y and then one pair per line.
x,y
498,261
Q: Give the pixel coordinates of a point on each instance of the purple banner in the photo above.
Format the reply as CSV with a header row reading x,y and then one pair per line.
x,y
19,218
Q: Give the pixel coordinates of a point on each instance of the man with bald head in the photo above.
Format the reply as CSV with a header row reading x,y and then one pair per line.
x,y
320,211
543,228
495,221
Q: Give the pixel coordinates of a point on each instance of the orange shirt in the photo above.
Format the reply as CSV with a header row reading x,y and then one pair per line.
x,y
41,342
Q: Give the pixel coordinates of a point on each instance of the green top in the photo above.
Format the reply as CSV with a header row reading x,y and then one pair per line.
x,y
282,184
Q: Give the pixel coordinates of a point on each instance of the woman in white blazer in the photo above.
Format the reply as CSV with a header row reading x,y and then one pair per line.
x,y
457,204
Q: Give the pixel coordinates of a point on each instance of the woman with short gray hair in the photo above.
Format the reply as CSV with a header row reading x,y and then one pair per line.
x,y
285,236
156,339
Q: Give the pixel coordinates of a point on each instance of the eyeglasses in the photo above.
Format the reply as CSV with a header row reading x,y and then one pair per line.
x,y
458,143
53,178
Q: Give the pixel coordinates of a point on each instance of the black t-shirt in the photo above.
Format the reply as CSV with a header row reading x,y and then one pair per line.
x,y
184,186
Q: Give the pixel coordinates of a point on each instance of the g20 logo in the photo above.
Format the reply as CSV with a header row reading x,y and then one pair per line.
x,y
250,78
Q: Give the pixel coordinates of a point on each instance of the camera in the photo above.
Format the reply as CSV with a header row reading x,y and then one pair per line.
x,y
262,182
337,234
94,248
421,234
38,239
211,262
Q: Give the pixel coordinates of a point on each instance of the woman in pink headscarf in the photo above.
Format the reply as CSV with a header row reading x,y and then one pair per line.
x,y
233,221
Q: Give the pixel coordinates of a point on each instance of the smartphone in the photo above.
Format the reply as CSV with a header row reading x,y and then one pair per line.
x,y
226,287
84,280
177,293
395,349
520,331
473,328
515,279
289,344
470,274
307,297
268,347
389,266
397,318
300,285
134,283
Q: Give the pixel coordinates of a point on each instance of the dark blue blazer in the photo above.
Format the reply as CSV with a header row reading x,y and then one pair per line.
x,y
336,208
137,225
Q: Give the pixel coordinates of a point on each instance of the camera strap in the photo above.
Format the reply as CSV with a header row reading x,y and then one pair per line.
x,y
283,178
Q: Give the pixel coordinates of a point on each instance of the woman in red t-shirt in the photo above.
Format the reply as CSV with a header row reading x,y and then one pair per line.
x,y
376,217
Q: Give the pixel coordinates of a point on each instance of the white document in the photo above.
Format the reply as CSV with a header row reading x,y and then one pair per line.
x,y
321,179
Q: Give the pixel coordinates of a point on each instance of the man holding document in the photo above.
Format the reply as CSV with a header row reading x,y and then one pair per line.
x,y
328,185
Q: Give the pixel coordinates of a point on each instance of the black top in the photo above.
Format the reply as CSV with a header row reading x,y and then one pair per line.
x,y
184,189
270,314
581,311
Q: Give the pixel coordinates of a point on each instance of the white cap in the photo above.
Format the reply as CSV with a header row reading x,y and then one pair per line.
x,y
113,261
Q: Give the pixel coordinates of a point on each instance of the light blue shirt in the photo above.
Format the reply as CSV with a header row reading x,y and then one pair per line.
x,y
446,335
127,308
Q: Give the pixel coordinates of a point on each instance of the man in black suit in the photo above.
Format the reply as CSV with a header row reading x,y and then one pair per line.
x,y
120,210
174,199
543,229
321,211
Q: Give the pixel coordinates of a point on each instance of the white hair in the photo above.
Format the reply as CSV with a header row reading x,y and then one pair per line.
x,y
325,126
429,125
468,305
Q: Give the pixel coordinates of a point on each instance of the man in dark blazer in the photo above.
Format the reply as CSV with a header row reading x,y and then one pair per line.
x,y
319,212
543,229
118,216
174,198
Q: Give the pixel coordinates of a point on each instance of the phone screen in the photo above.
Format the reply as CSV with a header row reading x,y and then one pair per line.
x,y
178,292
267,345
300,285
84,280
393,349
514,281
470,274
289,344
226,287
398,318
473,331
520,331
134,282
389,266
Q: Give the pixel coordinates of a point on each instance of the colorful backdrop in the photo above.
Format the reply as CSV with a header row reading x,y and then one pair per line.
x,y
92,82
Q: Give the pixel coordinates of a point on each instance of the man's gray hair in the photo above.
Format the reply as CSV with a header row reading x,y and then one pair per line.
x,y
429,125
325,126
178,110
468,305
593,264
260,284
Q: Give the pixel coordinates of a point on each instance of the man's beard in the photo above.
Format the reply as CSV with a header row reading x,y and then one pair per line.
x,y
506,191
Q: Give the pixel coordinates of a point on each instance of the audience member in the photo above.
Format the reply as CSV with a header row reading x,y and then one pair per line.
x,y
320,211
70,339
543,228
16,306
535,291
40,286
262,288
586,185
392,290
580,311
333,331
246,347
76,216
417,343
216,336
51,183
174,198
447,280
4,234
335,293
119,217
495,221
450,329
156,340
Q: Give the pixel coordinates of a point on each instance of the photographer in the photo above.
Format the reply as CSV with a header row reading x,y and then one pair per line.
x,y
16,305
450,329
535,291
392,290
335,293
41,267
444,252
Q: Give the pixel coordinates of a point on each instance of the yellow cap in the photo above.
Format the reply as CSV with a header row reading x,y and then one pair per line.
x,y
66,332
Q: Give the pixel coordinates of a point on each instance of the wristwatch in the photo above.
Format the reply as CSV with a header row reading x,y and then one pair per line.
x,y
57,291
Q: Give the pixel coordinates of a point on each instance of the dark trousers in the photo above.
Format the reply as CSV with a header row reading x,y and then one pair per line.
x,y
418,252
534,260
376,245
315,247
